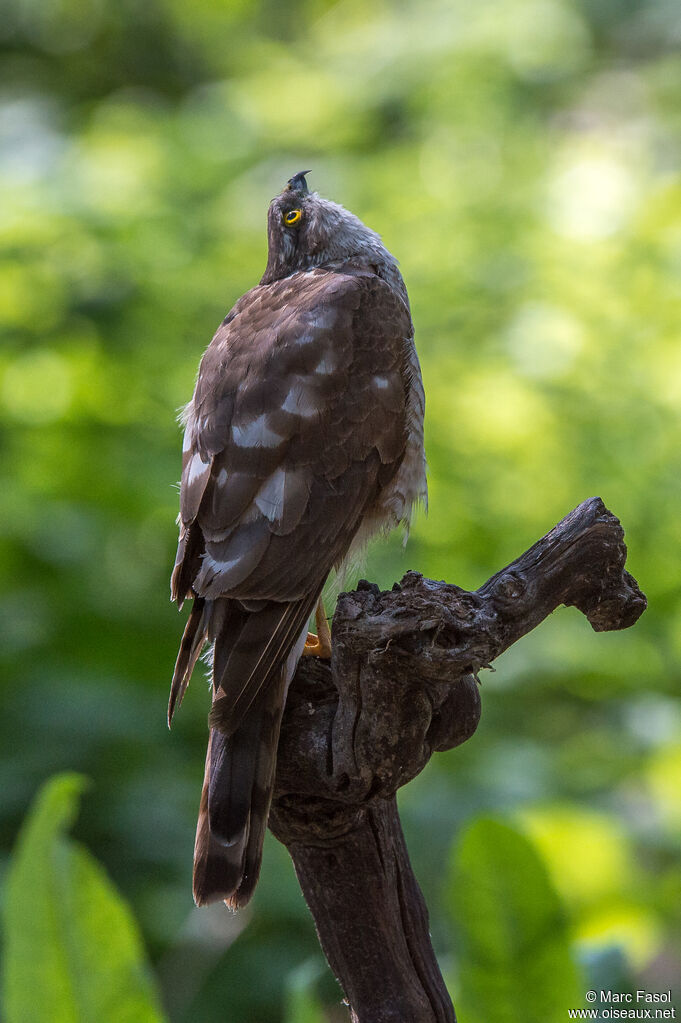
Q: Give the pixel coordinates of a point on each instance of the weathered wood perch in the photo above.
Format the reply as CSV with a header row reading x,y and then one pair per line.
x,y
401,685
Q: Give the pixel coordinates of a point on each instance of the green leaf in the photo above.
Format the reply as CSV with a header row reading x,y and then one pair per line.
x,y
515,956
73,952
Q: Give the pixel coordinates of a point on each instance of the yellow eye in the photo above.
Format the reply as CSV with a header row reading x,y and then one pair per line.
x,y
292,217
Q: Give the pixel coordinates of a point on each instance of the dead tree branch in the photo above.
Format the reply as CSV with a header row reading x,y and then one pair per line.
x,y
401,685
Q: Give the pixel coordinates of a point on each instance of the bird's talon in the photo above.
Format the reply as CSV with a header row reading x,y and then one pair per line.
x,y
319,645
312,644
315,647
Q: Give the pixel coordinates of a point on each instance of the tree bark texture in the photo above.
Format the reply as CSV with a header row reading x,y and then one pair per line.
x,y
401,685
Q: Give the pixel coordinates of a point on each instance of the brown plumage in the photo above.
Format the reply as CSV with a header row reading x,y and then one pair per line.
x,y
304,436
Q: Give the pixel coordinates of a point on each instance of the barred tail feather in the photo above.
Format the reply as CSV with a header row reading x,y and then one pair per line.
x,y
263,787
237,793
264,641
216,872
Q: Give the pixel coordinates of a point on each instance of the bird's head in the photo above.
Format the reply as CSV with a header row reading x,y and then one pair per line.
x,y
304,231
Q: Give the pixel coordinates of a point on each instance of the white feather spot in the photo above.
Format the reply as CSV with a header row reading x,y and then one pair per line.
x,y
380,382
196,468
256,434
188,439
270,497
325,318
326,365
222,477
299,401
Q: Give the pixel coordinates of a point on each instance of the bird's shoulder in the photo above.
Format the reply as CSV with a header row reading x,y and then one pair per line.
x,y
289,304
283,326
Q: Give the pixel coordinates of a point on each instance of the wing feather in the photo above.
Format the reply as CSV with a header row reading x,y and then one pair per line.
x,y
190,650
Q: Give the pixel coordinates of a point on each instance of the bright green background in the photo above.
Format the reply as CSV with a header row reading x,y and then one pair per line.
x,y
520,157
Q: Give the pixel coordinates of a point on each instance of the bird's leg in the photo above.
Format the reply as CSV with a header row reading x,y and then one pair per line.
x,y
319,645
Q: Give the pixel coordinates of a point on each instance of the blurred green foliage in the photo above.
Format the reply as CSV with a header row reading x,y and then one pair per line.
x,y
520,157
73,952
302,1004
515,959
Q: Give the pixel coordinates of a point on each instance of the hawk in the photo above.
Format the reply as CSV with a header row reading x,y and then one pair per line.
x,y
303,438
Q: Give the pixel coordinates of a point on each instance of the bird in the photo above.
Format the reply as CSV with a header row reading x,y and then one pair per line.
x,y
303,439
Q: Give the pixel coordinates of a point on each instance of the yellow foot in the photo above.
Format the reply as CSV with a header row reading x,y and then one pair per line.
x,y
314,647
319,645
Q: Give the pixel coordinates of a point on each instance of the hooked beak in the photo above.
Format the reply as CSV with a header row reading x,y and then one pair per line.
x,y
298,183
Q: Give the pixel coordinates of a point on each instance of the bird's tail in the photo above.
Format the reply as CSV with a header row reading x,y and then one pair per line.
x,y
237,792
